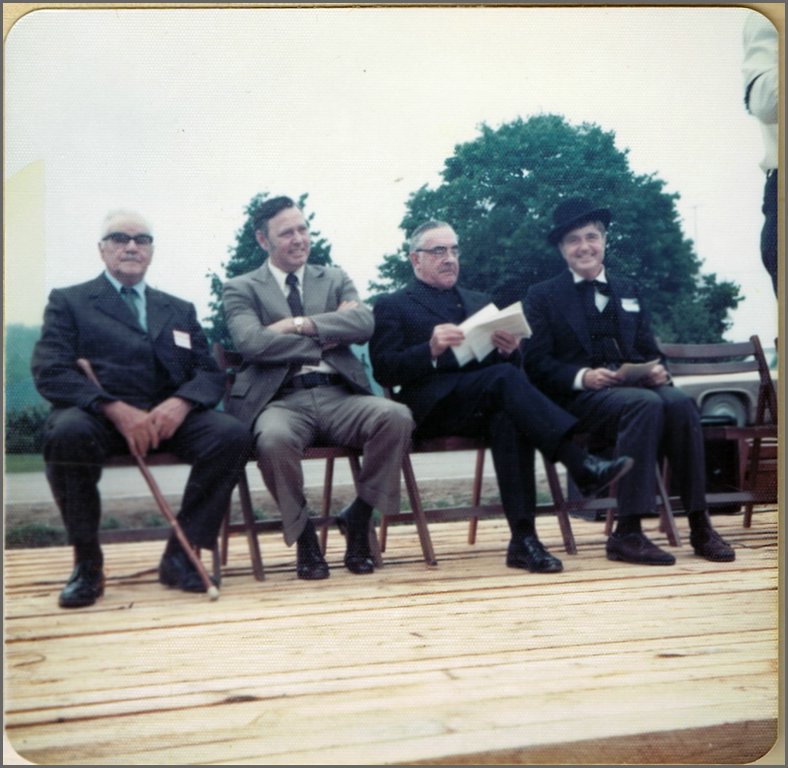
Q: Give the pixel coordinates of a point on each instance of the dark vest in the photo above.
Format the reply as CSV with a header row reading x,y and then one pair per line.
x,y
603,329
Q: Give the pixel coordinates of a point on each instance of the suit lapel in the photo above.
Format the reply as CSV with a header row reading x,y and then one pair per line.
x,y
471,301
627,326
273,301
314,292
569,303
419,292
107,300
159,311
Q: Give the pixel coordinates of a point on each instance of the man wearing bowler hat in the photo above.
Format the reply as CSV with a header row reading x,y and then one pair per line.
x,y
586,323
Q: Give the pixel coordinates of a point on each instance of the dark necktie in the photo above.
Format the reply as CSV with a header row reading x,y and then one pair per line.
x,y
129,295
590,285
293,297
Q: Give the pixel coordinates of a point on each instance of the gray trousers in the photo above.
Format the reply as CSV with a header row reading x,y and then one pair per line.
x,y
330,414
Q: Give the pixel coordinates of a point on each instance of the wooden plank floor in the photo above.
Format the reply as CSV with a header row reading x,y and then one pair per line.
x,y
469,662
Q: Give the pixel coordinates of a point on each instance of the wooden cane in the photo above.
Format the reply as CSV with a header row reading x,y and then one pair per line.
x,y
213,592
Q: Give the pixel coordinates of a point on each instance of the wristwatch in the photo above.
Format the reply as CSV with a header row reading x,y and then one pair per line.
x,y
298,322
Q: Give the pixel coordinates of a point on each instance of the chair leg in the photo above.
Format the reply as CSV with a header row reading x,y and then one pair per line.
x,y
476,497
752,480
559,502
225,535
217,562
667,521
418,511
325,510
249,523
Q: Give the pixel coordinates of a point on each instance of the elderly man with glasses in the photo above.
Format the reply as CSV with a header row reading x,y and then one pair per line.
x,y
417,330
158,388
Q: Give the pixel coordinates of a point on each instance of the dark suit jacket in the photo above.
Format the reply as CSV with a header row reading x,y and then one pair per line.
x,y
90,320
255,300
400,348
561,344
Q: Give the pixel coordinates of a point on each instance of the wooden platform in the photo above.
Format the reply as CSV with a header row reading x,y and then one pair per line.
x,y
469,662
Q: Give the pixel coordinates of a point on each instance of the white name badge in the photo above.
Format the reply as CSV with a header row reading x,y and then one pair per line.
x,y
630,305
182,339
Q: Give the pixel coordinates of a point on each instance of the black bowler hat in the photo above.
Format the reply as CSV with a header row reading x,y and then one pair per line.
x,y
573,213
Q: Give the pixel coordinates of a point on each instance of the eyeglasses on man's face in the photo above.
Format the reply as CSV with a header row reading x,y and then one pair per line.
x,y
121,238
441,251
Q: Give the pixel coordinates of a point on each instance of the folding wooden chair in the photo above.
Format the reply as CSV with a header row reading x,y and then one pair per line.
x,y
723,359
475,510
230,361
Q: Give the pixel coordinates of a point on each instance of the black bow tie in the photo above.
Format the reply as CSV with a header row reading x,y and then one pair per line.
x,y
603,288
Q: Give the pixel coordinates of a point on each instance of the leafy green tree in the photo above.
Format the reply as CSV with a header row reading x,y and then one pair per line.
x,y
24,429
246,255
499,192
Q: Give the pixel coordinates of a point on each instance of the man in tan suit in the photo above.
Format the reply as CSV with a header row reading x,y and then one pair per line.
x,y
300,383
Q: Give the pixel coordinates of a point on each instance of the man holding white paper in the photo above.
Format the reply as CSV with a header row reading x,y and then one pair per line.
x,y
593,351
418,333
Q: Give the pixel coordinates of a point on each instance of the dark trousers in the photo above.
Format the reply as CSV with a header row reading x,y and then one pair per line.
x,y
499,402
77,443
648,424
769,230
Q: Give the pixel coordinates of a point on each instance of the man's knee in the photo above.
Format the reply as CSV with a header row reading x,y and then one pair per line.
x,y
71,433
399,417
276,439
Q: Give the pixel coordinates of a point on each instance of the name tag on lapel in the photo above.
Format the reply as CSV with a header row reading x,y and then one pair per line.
x,y
630,305
182,339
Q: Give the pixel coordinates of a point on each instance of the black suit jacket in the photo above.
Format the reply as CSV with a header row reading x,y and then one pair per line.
x,y
90,320
400,347
561,344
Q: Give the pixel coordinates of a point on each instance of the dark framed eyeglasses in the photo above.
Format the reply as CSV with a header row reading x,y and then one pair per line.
x,y
440,251
121,238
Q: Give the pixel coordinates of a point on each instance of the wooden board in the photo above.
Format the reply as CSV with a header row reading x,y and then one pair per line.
x,y
467,662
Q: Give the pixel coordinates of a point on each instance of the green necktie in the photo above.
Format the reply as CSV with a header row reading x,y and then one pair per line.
x,y
129,295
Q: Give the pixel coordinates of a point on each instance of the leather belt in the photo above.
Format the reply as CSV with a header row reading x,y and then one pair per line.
x,y
311,380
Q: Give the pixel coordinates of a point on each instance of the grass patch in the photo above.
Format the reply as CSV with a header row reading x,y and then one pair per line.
x,y
30,535
24,462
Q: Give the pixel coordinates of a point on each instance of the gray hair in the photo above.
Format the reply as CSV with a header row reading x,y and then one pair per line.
x,y
123,213
414,241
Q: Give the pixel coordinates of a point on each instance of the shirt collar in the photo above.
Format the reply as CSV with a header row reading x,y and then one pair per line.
x,y
602,277
280,276
138,288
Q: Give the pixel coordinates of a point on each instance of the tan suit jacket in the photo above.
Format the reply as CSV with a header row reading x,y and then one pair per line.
x,y
255,300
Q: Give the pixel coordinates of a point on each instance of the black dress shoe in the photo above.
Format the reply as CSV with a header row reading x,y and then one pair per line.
x,y
358,558
529,553
636,548
84,587
709,544
310,563
597,474
176,570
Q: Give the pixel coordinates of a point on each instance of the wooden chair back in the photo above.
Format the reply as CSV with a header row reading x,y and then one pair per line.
x,y
723,359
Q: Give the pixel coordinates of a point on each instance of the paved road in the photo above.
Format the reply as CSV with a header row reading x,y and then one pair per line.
x,y
127,482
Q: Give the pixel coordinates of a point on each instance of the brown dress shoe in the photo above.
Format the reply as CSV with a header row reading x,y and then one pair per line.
x,y
636,548
709,544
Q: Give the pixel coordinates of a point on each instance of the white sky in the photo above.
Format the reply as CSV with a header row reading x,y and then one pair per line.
x,y
185,114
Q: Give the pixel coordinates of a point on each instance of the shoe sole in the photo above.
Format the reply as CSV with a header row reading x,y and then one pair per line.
x,y
78,603
717,559
618,558
313,577
532,570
